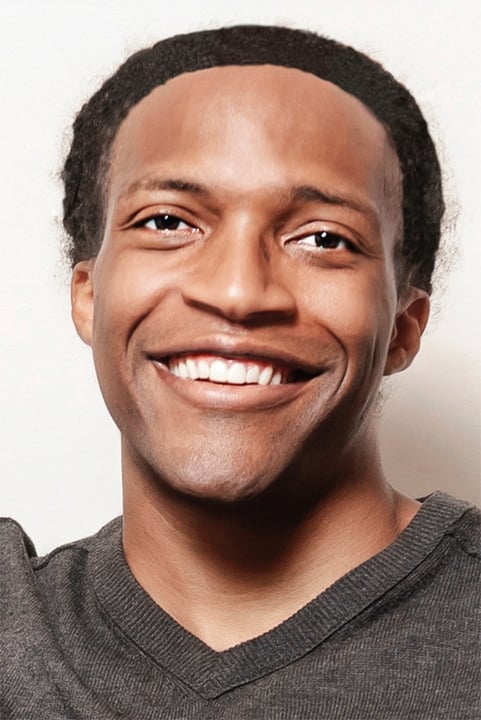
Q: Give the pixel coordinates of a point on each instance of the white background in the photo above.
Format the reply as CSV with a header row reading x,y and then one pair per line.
x,y
59,451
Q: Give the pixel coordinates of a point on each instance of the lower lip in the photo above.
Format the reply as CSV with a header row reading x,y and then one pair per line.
x,y
222,396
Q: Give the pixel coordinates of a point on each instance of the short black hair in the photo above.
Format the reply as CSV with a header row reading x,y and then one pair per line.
x,y
96,125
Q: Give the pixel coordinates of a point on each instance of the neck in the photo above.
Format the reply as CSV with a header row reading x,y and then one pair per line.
x,y
228,573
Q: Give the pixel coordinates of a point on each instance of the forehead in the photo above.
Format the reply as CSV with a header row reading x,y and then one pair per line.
x,y
260,124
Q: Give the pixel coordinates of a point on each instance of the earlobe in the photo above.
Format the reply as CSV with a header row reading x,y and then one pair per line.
x,y
411,319
82,299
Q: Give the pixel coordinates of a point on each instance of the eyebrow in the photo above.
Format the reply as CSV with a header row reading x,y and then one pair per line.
x,y
296,193
309,193
153,184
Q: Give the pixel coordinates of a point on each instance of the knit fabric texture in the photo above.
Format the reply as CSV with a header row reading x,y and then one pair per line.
x,y
397,638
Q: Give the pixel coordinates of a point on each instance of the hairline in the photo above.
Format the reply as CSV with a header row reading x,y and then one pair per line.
x,y
394,186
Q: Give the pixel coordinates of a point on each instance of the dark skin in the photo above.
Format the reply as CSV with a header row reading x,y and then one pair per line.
x,y
252,217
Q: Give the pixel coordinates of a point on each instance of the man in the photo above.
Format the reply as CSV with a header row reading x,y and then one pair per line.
x,y
254,216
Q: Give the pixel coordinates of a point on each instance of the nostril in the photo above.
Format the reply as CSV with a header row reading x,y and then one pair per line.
x,y
239,304
238,280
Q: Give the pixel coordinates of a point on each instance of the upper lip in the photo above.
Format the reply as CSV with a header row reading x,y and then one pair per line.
x,y
232,349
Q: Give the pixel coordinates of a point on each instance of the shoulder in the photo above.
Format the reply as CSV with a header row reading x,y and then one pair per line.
x,y
459,520
27,577
16,548
37,594
467,532
11,530
450,529
17,551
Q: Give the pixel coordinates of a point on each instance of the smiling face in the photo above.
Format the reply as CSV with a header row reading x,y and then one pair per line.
x,y
243,307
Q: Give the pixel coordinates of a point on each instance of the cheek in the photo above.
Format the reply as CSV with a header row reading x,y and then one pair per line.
x,y
127,287
355,309
123,295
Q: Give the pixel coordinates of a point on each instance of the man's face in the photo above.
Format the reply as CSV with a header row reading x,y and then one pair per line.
x,y
243,304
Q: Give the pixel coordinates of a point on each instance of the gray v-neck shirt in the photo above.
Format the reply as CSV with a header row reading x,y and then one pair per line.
x,y
397,638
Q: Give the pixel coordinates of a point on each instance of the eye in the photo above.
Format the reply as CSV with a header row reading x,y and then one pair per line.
x,y
326,240
164,222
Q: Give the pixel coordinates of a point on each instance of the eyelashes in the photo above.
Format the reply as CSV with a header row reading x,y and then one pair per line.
x,y
171,226
164,221
326,240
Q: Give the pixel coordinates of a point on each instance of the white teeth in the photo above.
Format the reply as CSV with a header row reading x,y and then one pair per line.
x,y
236,374
192,368
183,372
218,371
252,375
225,371
266,374
203,369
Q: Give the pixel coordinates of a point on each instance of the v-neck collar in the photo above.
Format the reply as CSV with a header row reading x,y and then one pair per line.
x,y
211,673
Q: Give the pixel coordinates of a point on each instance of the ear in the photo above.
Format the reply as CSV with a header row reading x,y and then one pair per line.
x,y
411,319
82,299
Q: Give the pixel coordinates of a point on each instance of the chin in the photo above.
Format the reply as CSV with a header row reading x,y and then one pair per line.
x,y
217,485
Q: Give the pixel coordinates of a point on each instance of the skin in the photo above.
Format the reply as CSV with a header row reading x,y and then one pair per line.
x,y
241,504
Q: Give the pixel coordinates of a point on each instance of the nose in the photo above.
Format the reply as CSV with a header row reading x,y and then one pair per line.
x,y
237,276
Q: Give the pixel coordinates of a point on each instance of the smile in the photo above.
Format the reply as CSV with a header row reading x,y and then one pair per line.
x,y
235,381
232,371
225,370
